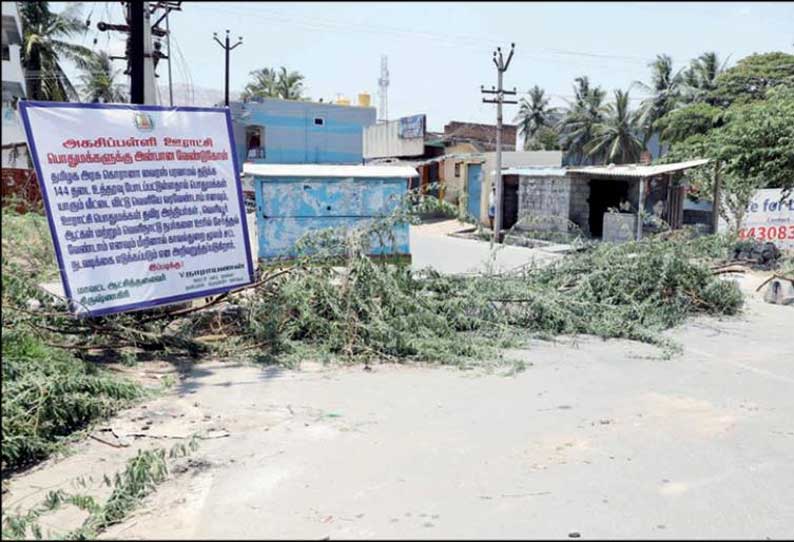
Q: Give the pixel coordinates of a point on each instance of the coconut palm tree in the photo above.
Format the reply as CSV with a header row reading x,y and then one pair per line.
x,y
290,84
533,115
616,138
263,85
577,126
701,77
45,46
268,83
99,81
665,91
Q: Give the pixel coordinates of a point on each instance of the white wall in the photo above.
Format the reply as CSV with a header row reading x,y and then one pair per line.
x,y
12,73
383,141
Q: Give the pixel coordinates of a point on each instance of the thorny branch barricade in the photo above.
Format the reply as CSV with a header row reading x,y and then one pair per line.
x,y
333,266
335,303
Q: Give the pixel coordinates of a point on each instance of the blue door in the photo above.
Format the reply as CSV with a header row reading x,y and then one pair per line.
x,y
474,189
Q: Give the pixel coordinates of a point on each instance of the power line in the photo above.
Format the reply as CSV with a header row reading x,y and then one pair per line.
x,y
478,42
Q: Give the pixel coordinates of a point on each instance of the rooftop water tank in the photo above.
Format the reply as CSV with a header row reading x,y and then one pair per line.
x,y
341,100
364,99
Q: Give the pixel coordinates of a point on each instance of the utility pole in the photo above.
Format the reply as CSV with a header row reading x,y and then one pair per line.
x,y
715,205
501,68
168,46
226,48
141,59
135,19
168,7
149,83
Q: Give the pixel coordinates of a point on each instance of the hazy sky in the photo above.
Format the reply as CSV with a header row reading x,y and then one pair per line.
x,y
440,53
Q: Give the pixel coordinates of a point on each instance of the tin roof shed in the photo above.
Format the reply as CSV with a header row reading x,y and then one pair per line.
x,y
635,170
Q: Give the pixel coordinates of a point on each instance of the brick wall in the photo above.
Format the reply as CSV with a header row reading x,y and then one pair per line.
x,y
485,133
20,187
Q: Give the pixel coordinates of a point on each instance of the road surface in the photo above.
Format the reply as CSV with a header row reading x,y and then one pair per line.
x,y
599,438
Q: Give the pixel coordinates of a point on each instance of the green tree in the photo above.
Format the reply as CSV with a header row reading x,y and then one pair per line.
x,y
750,78
100,80
45,45
546,139
758,139
753,149
693,119
269,83
534,115
665,93
615,139
577,126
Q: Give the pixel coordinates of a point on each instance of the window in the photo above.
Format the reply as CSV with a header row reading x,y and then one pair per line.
x,y
319,121
6,52
457,169
255,142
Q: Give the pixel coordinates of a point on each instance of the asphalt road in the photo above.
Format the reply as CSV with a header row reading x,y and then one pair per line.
x,y
599,438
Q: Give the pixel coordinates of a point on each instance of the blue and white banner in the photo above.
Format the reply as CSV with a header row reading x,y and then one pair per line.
x,y
144,202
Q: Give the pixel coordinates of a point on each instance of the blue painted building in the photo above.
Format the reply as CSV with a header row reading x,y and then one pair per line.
x,y
292,200
271,131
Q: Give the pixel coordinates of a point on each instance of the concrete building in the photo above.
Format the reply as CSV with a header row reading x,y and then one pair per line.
x,y
408,139
402,138
601,201
467,178
460,162
293,200
18,176
272,131
13,136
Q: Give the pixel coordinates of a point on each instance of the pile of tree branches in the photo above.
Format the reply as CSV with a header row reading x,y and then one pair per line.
x,y
366,310
336,302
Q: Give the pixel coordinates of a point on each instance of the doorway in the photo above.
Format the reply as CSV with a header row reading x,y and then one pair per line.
x,y
255,142
605,194
474,189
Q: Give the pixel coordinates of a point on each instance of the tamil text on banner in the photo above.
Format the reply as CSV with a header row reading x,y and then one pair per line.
x,y
144,202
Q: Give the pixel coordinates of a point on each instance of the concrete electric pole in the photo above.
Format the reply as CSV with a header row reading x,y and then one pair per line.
x,y
227,48
501,68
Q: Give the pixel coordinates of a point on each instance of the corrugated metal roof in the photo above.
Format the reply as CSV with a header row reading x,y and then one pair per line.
x,y
324,170
635,170
535,171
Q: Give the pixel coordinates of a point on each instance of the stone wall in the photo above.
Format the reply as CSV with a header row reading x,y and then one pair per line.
x,y
544,203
